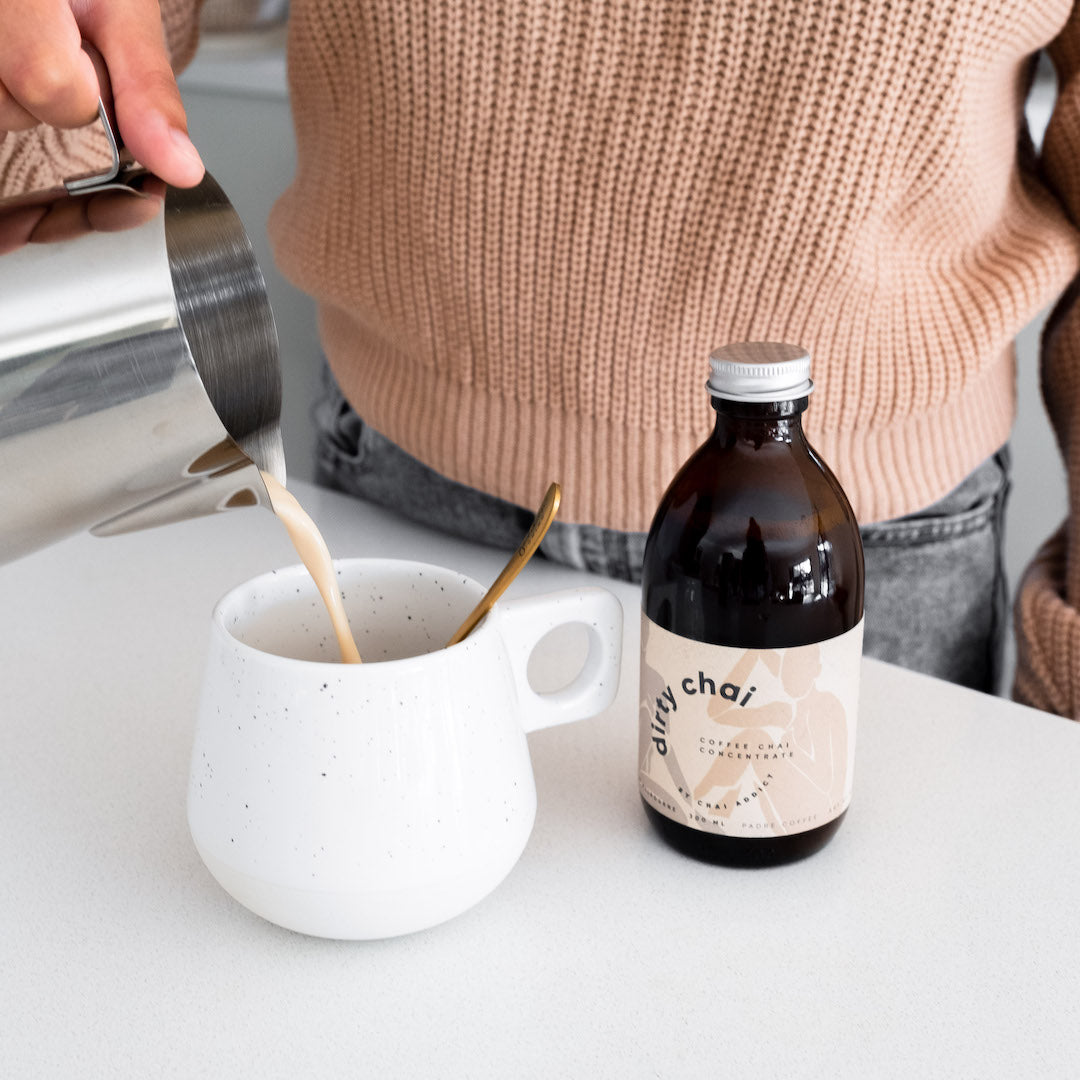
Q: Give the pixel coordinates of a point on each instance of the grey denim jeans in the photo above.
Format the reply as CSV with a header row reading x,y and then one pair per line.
x,y
935,582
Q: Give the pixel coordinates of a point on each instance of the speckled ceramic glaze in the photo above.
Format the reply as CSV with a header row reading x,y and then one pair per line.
x,y
364,801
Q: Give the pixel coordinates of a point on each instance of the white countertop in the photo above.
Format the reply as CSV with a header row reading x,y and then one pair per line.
x,y
937,935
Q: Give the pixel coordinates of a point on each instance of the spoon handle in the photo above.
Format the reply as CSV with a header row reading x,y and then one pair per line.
x,y
537,530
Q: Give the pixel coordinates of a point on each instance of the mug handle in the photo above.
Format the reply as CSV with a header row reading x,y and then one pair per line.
x,y
524,621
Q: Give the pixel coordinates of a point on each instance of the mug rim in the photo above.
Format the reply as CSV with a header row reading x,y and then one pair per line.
x,y
294,570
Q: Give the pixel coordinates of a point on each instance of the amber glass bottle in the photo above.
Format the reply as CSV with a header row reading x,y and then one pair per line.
x,y
752,603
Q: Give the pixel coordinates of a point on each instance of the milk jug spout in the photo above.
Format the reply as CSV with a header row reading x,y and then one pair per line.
x,y
139,373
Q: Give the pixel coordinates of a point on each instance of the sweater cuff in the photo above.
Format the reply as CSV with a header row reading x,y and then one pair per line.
x,y
1048,635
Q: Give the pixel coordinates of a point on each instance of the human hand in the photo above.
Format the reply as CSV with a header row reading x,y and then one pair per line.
x,y
114,210
47,77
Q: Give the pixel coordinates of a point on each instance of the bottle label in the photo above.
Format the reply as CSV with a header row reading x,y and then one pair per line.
x,y
748,742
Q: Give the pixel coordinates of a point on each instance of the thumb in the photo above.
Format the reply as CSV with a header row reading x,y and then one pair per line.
x,y
149,112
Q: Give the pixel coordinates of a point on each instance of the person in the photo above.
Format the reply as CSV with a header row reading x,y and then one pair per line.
x,y
527,223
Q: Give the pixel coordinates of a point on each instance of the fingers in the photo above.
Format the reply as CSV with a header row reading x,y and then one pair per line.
x,y
17,226
116,211
46,77
44,74
64,220
13,117
149,111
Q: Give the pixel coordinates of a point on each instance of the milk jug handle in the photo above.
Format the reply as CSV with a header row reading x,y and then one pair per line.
x,y
78,185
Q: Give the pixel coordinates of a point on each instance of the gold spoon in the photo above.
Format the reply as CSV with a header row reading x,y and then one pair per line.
x,y
526,550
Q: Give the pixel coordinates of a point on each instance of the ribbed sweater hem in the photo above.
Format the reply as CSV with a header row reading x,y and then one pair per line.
x,y
613,475
905,466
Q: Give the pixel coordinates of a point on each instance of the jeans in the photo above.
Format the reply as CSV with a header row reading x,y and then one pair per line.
x,y
935,596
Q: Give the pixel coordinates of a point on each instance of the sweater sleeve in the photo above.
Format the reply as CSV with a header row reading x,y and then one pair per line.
x,y
43,157
1047,612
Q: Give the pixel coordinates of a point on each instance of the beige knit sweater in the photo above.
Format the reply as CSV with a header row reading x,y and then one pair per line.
x,y
526,223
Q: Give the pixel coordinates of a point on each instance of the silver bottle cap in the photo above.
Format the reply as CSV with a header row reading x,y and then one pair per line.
x,y
760,371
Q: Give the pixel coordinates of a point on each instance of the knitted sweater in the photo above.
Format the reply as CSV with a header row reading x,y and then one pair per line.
x,y
527,222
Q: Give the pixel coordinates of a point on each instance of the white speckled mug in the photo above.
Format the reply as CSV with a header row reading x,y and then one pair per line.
x,y
365,801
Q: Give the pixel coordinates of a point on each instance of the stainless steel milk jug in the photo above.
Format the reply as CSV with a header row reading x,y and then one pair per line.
x,y
139,377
